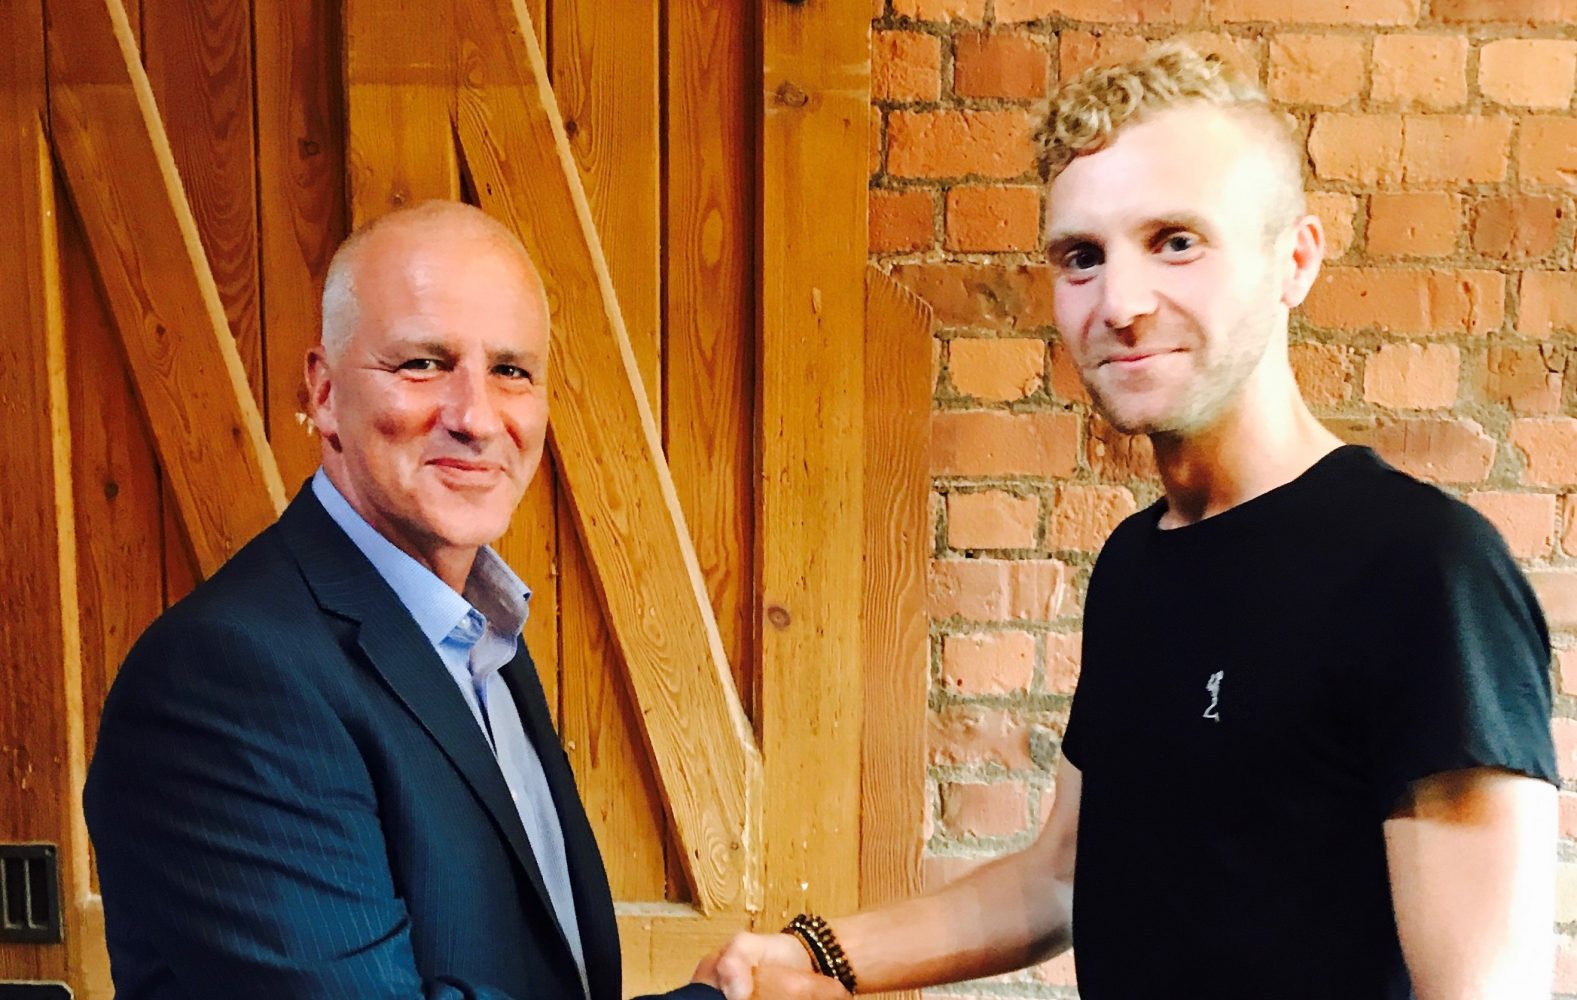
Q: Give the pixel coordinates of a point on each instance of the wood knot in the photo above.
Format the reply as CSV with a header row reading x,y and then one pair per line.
x,y
791,96
779,616
111,489
571,127
308,148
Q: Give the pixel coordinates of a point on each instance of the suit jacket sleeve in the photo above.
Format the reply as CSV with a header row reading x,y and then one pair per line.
x,y
236,829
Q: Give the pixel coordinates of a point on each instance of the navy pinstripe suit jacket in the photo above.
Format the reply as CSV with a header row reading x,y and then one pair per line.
x,y
290,798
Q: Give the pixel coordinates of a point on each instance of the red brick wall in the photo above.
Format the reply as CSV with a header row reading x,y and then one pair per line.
x,y
1443,158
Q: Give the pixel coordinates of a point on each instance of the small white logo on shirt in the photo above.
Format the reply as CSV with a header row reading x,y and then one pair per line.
x,y
1213,685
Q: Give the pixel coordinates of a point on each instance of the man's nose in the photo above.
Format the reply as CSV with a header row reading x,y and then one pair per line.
x,y
469,408
1126,290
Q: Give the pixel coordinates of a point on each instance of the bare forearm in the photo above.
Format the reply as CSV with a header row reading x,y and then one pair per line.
x,y
1006,915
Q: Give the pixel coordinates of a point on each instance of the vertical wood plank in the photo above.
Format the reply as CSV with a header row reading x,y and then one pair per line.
x,y
399,88
198,56
709,304
148,255
609,452
810,539
301,180
531,547
41,759
604,73
896,654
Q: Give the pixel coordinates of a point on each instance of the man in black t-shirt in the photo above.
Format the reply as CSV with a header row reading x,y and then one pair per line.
x,y
1309,755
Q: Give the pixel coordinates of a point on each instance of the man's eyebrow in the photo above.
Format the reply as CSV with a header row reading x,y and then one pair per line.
x,y
1058,240
510,356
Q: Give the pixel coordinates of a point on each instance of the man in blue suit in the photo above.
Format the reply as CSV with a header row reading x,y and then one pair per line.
x,y
331,771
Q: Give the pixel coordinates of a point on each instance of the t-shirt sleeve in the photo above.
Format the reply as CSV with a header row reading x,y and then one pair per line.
x,y
1460,671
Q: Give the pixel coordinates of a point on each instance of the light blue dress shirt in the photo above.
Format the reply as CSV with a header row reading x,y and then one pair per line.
x,y
475,635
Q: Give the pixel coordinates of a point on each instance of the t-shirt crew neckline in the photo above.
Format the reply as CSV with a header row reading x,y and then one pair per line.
x,y
1255,510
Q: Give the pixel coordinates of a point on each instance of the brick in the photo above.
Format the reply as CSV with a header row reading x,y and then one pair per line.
x,y
967,735
992,519
1526,377
1324,70
1082,517
1515,227
1566,667
1057,971
1438,449
1567,802
994,443
1505,11
1323,371
993,590
1337,211
1427,71
876,142
1000,809
1548,446
902,221
905,66
1565,964
1408,300
1419,223
988,662
1364,149
1565,891
1453,149
1239,52
1549,302
1000,297
1104,11
1078,51
1001,64
1064,652
1413,376
1065,381
1525,520
1566,742
997,370
1528,72
1547,151
990,219
984,143
1318,11
940,10
1119,457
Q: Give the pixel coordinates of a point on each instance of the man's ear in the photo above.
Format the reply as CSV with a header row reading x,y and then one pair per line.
x,y
320,394
1303,262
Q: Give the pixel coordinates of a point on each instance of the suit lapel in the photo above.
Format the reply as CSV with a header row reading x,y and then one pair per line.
x,y
599,931
346,584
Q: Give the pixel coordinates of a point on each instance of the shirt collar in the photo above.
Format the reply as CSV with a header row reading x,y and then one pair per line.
x,y
492,588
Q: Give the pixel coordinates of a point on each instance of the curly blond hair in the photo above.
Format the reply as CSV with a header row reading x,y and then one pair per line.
x,y
1090,109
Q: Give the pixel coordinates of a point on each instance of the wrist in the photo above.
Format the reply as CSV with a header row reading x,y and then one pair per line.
x,y
789,951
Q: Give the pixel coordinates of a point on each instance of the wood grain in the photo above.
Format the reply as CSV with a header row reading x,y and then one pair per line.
x,y
531,547
399,88
897,547
710,304
604,75
810,528
607,446
301,183
149,258
198,56
41,759
662,943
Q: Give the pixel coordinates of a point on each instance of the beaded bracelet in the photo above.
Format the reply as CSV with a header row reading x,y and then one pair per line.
x,y
822,946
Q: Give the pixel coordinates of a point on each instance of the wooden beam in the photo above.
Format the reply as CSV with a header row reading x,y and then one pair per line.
x,y
189,376
897,547
609,452
661,944
41,759
810,527
399,88
709,326
303,217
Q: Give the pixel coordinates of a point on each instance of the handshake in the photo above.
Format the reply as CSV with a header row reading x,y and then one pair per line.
x,y
781,966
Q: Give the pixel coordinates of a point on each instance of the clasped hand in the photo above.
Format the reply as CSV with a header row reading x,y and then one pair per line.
x,y
766,967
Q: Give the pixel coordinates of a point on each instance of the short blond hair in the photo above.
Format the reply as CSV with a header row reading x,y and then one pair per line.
x,y
1090,109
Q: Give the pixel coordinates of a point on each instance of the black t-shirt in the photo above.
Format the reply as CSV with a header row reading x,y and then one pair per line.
x,y
1258,690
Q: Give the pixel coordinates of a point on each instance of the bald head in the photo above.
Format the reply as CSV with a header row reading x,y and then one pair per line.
x,y
388,244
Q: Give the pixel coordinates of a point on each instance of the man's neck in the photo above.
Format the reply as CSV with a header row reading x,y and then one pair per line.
x,y
1267,440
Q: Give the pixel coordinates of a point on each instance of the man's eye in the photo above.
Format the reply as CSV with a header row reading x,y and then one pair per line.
x,y
419,365
1081,259
513,372
1179,244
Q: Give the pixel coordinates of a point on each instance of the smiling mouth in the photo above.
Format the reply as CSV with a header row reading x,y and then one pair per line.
x,y
463,467
1138,357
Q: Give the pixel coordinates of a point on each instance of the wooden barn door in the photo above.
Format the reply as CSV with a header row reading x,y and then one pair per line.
x,y
727,542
